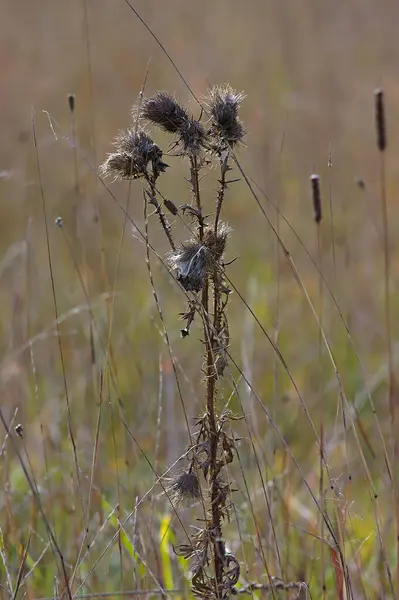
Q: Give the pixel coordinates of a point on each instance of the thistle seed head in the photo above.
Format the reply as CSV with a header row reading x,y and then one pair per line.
x,y
225,126
190,262
135,150
166,113
192,136
193,261
185,489
217,243
119,165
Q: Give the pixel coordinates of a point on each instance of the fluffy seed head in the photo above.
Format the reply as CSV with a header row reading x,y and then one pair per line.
x,y
190,262
217,243
185,489
192,136
194,261
166,113
135,150
223,103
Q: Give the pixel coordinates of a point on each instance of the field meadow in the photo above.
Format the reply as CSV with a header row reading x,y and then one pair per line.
x,y
131,463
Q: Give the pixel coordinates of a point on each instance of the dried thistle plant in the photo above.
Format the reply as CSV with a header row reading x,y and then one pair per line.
x,y
198,266
223,104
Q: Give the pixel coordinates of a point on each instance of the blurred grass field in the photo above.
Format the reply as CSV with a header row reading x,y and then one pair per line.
x,y
309,71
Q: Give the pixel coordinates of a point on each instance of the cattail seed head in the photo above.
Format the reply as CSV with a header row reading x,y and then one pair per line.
x,y
360,183
71,102
380,120
135,151
185,489
225,126
166,113
315,181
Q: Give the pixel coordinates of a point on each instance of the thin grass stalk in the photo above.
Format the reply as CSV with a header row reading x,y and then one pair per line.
x,y
56,313
253,439
276,331
318,219
380,123
32,485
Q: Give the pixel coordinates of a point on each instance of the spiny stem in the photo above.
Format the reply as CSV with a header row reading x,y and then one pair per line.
x,y
194,168
152,198
224,168
211,378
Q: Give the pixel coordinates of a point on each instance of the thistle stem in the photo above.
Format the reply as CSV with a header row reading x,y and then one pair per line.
x,y
152,198
224,168
194,167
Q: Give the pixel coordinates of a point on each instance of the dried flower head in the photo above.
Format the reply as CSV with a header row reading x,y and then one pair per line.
x,y
194,261
192,136
225,126
165,112
217,243
191,263
185,489
135,151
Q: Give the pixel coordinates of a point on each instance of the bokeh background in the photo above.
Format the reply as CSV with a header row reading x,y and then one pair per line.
x,y
309,70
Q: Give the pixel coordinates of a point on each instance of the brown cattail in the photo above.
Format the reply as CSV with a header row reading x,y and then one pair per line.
x,y
316,197
360,183
380,120
71,102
